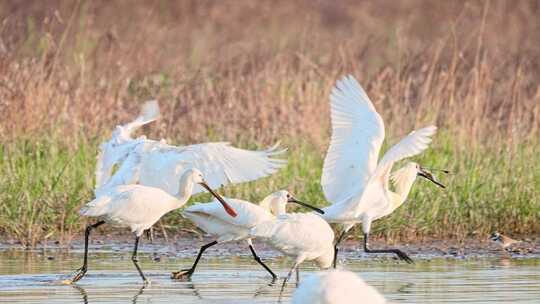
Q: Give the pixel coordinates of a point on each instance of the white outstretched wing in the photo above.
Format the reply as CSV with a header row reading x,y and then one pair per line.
x,y
121,144
157,164
357,135
161,165
413,144
222,164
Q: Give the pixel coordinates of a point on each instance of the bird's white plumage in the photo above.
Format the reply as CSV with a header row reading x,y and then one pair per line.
x,y
357,135
352,180
139,207
220,163
212,218
413,144
304,236
135,206
336,287
121,143
157,164
377,200
149,113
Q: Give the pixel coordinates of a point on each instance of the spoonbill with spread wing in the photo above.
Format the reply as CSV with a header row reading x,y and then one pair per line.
x,y
211,218
303,236
157,164
352,181
139,207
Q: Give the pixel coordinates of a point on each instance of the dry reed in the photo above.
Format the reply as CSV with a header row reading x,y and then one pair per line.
x,y
256,72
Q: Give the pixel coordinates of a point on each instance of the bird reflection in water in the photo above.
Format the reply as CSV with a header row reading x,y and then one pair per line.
x,y
85,299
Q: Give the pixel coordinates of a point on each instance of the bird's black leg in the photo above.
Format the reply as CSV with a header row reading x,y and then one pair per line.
x,y
135,260
140,292
286,280
256,257
340,238
297,276
82,271
150,235
186,273
401,255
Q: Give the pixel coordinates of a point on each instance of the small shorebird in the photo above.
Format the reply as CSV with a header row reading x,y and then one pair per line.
x,y
139,207
212,219
503,240
509,244
336,287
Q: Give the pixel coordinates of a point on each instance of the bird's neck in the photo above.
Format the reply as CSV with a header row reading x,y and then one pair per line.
x,y
185,190
268,204
403,182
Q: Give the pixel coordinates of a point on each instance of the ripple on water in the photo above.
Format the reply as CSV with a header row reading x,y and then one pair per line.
x,y
30,278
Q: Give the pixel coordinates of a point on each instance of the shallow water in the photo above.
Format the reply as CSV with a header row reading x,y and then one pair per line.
x,y
34,277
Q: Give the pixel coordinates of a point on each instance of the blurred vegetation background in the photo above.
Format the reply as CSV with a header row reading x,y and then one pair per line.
x,y
255,72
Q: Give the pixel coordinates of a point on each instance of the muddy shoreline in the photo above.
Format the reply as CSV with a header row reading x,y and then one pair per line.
x,y
187,246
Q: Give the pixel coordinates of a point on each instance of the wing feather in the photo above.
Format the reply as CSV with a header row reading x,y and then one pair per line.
x,y
222,164
161,165
116,149
357,135
158,164
411,145
149,113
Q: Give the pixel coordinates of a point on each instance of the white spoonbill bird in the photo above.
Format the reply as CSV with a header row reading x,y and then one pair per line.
x,y
211,218
352,181
139,207
336,287
157,164
303,236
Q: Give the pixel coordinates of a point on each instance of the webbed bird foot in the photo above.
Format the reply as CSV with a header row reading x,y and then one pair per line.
x,y
182,274
403,256
76,276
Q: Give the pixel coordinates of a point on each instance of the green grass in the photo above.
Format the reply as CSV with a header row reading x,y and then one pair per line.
x,y
44,183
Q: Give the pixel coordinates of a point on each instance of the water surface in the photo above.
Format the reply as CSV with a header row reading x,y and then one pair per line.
x,y
34,277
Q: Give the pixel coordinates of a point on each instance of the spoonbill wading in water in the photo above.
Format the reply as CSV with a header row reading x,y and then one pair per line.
x,y
211,218
158,164
303,236
139,207
352,181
